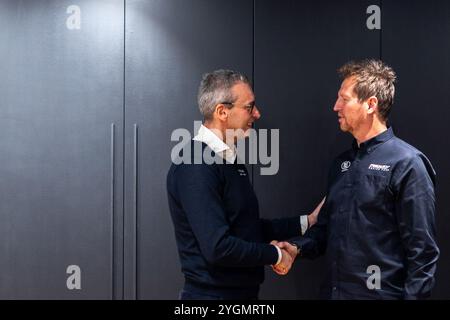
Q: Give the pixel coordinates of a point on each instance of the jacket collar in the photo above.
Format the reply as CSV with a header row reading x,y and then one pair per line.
x,y
374,142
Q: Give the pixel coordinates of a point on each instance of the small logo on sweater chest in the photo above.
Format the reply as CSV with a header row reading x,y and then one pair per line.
x,y
242,172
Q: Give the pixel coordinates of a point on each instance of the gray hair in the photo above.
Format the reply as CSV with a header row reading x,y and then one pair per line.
x,y
215,88
373,78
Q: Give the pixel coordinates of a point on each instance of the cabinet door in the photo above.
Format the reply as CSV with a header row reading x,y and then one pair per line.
x,y
415,42
61,140
298,47
169,45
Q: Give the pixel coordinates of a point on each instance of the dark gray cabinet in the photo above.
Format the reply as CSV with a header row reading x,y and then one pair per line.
x,y
169,45
61,141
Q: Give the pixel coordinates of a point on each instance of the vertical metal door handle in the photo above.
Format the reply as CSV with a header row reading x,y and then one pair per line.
x,y
135,211
112,207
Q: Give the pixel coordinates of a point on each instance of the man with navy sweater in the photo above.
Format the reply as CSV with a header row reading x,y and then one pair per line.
x,y
377,226
222,242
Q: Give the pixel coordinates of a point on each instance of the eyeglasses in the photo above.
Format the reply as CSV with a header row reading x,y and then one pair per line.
x,y
249,106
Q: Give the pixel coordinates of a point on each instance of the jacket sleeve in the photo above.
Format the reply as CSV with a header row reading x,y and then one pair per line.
x,y
414,195
314,243
199,191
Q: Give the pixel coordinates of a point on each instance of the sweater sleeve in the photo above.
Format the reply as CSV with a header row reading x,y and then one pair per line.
x,y
199,191
281,229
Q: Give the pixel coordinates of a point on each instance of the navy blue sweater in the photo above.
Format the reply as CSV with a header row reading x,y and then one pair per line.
x,y
222,241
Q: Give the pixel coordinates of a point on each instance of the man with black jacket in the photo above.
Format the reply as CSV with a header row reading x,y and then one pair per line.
x,y
377,226
222,243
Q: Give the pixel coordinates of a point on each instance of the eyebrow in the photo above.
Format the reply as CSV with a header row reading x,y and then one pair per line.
x,y
345,96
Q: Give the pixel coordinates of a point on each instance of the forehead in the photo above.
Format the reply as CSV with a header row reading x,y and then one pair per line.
x,y
243,91
347,86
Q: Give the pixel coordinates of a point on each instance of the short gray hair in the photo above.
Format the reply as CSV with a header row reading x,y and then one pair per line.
x,y
215,88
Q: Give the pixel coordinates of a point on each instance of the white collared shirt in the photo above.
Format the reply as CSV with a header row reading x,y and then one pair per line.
x,y
216,144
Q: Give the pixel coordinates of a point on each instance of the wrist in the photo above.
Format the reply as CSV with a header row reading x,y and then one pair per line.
x,y
310,222
280,255
296,246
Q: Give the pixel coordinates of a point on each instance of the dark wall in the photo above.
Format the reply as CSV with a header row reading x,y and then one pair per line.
x,y
415,41
86,117
296,87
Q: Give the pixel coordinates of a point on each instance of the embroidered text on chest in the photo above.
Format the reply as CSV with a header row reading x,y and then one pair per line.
x,y
379,167
242,172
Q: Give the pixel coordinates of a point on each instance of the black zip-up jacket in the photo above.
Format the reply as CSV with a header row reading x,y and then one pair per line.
x,y
377,223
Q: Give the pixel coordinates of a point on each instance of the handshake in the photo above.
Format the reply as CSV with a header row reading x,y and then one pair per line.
x,y
289,253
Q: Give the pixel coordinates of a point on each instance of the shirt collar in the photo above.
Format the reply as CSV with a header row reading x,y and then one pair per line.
x,y
374,142
216,144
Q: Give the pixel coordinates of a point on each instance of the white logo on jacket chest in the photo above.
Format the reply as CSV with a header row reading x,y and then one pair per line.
x,y
242,172
379,167
345,165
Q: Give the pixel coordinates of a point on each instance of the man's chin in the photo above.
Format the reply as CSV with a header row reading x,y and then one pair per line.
x,y
343,128
243,133
248,132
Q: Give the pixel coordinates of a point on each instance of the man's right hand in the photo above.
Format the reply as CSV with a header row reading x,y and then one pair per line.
x,y
285,264
288,252
289,248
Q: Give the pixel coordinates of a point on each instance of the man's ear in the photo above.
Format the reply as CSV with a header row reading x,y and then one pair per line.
x,y
372,105
221,112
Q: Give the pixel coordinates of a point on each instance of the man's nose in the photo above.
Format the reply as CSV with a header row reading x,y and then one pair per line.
x,y
336,107
255,113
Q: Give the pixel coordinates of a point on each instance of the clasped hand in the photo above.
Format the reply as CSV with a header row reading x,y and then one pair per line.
x,y
289,253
